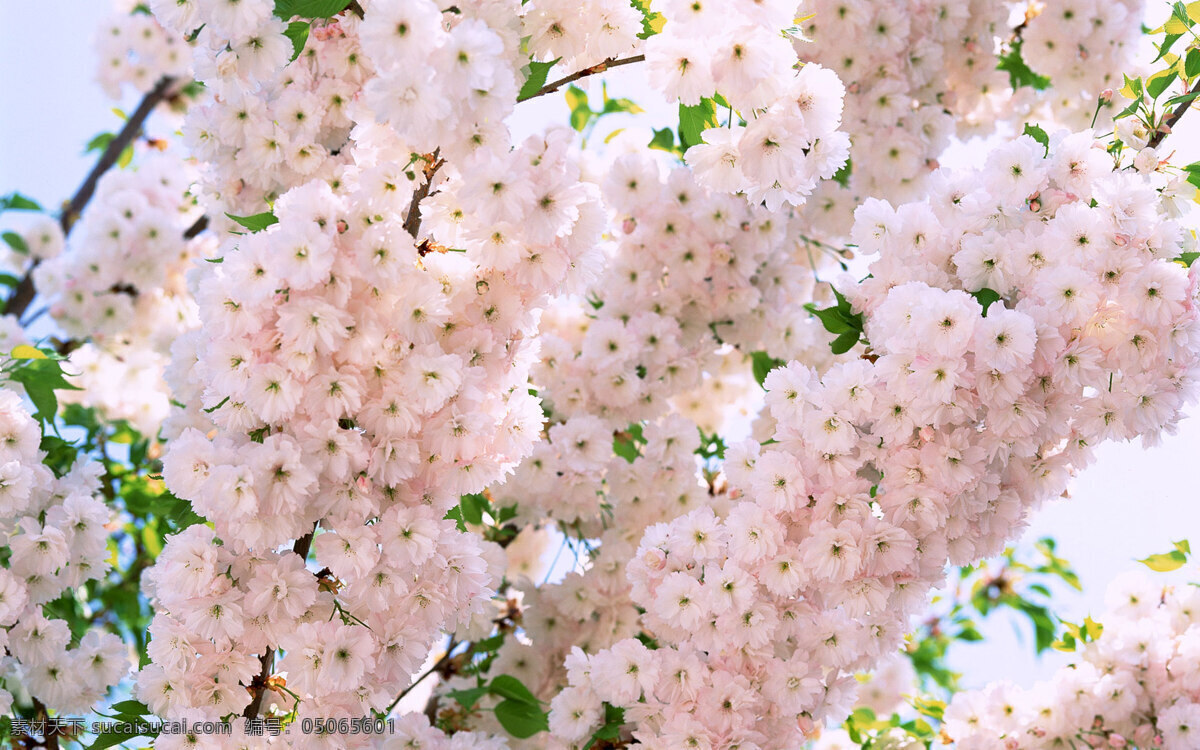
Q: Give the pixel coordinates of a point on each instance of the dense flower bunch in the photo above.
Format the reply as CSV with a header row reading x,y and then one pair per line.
x,y
362,382
120,291
55,539
590,608
691,268
788,139
134,50
923,72
1082,46
1137,684
929,449
270,124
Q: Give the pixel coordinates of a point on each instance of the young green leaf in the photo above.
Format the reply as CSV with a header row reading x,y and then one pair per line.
x,y
257,222
520,719
16,242
1036,133
694,120
762,364
287,9
538,71
297,32
507,686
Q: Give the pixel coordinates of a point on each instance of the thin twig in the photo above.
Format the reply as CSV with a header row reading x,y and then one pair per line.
x,y
1164,128
439,665
258,685
598,68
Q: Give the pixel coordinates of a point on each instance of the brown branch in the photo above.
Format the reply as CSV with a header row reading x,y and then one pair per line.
x,y
24,293
1164,128
196,228
112,152
412,220
598,68
258,686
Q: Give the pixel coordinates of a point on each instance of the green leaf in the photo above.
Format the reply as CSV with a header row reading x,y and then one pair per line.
x,y
1168,42
111,739
126,157
1165,563
842,176
930,706
694,120
985,297
762,364
1182,98
581,111
1191,63
472,508
100,142
257,222
18,202
41,377
1158,84
711,445
131,708
652,22
664,140
842,320
1036,133
469,697
538,71
1183,546
297,32
521,720
1019,73
507,686
844,343
16,242
286,9
621,105
625,444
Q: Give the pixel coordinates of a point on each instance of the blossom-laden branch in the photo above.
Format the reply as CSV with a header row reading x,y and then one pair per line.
x,y
550,88
259,686
25,292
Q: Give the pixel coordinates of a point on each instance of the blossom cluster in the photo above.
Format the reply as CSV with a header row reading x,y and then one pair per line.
x,y
1137,684
690,268
119,289
929,448
134,50
362,381
919,73
54,531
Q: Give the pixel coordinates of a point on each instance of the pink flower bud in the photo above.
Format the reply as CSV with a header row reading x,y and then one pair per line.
x,y
1106,96
655,558
1116,740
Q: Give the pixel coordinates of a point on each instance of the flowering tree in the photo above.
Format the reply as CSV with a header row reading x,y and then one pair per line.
x,y
330,375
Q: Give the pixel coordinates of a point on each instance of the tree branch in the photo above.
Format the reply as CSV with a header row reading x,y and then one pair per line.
x,y
258,686
113,151
598,68
412,220
24,293
1164,128
196,228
